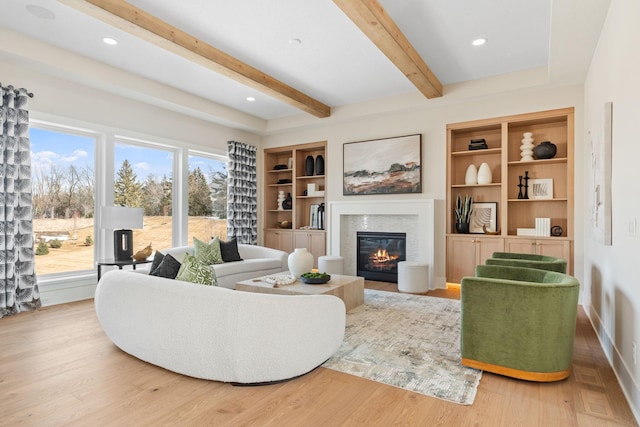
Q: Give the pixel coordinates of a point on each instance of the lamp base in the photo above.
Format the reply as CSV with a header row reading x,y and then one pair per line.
x,y
122,245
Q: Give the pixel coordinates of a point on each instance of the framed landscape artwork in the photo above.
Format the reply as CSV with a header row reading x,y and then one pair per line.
x,y
383,166
483,214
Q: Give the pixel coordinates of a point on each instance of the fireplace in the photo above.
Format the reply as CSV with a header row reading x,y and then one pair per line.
x,y
378,255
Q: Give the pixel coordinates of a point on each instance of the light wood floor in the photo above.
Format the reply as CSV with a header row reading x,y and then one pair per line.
x,y
58,368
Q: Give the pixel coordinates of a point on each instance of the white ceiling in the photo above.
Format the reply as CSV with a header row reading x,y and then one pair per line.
x,y
334,63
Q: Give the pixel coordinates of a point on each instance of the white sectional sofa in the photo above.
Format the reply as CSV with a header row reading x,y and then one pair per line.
x,y
216,333
257,261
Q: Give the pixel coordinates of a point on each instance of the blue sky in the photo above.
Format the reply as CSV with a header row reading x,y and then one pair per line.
x,y
63,150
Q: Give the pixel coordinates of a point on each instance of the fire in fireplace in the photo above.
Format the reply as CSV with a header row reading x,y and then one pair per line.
x,y
378,255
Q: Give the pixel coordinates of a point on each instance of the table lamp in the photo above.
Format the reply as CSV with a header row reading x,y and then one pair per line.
x,y
121,220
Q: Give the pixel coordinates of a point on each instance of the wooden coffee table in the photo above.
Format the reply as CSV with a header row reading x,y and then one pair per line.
x,y
350,289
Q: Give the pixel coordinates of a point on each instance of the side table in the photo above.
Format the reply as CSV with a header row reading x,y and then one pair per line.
x,y
119,264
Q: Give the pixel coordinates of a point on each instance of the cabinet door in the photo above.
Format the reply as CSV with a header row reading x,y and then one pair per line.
x,y
282,240
555,248
521,246
314,242
461,258
486,247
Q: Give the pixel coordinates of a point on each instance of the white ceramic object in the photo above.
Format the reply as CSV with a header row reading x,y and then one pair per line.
x,y
484,174
526,149
300,261
281,198
471,176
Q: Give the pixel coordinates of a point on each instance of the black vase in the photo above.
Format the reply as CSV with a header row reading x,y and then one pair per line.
x,y
544,150
308,165
288,202
462,227
319,165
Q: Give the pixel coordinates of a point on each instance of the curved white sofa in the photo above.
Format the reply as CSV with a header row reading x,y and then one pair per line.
x,y
216,333
256,261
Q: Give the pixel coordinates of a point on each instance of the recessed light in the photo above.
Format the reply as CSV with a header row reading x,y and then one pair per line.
x,y
250,98
110,41
295,41
479,42
40,11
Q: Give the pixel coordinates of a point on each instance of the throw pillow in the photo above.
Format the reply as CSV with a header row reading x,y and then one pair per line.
x,y
157,259
229,250
195,271
168,268
208,253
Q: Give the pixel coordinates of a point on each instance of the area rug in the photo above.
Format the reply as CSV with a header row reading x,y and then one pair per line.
x,y
407,341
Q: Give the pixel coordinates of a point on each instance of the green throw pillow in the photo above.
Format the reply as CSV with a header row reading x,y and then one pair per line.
x,y
208,253
195,271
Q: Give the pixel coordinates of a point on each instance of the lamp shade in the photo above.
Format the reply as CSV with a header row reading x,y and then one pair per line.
x,y
119,217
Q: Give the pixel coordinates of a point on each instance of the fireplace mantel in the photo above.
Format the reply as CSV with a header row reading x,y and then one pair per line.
x,y
422,210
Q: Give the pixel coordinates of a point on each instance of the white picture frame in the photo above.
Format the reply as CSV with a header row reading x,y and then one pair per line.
x,y
483,213
541,189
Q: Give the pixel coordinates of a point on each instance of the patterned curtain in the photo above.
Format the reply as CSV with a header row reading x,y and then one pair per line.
x,y
18,285
242,206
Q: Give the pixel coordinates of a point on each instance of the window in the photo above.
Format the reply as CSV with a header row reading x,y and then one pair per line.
x,y
143,178
62,172
207,198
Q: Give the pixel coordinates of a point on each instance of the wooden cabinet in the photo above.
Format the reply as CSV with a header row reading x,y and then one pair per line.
x,y
556,247
464,252
279,239
503,137
285,170
313,240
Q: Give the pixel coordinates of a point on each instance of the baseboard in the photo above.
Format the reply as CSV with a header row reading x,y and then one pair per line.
x,y
625,378
69,289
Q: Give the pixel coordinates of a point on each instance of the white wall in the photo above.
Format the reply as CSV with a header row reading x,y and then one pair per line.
x,y
611,280
430,118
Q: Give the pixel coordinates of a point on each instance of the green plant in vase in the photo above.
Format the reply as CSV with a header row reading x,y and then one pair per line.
x,y
463,213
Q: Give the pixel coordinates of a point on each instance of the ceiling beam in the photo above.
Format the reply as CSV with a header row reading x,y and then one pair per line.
x,y
376,24
133,20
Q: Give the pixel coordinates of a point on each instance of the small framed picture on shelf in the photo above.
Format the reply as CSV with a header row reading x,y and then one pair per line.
x,y
484,217
541,189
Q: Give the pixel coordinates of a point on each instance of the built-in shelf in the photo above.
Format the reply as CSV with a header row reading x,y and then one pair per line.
x,y
503,136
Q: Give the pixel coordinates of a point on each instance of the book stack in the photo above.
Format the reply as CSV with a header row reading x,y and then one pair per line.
x,y
543,227
478,144
526,232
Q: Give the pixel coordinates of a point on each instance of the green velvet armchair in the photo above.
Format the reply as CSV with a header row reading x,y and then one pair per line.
x,y
528,260
519,322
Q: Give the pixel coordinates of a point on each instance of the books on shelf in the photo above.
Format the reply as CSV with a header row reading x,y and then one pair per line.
x,y
543,227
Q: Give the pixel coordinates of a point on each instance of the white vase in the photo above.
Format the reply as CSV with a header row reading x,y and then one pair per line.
x,y
300,261
281,198
526,149
484,174
471,176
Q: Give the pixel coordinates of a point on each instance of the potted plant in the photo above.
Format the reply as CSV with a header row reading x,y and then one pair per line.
x,y
463,213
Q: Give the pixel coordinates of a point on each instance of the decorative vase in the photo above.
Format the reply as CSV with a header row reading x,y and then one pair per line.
x,y
300,261
484,174
526,149
471,176
281,198
309,165
319,165
545,150
288,202
462,227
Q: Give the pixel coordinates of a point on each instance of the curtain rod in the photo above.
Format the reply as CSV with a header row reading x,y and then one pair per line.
x,y
29,94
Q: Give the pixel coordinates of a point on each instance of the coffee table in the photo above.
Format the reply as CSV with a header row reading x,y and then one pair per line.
x,y
350,289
